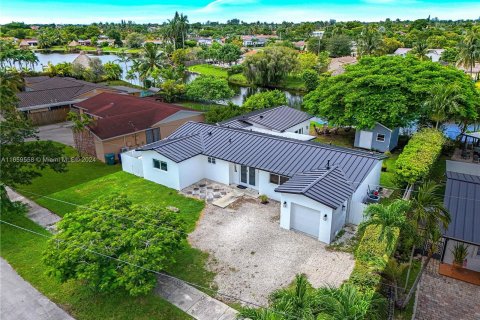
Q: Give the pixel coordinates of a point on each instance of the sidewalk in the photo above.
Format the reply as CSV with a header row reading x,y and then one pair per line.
x,y
20,301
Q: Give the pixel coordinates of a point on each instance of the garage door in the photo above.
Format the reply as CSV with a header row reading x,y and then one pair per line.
x,y
365,140
305,220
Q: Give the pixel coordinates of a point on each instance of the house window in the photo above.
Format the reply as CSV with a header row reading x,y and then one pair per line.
x,y
152,135
380,137
300,131
211,160
277,179
156,164
162,165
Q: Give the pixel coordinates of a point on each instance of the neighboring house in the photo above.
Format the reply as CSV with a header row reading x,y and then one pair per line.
x,y
48,100
204,41
84,42
433,54
281,121
256,40
462,200
83,60
122,122
318,34
319,187
28,43
379,138
337,65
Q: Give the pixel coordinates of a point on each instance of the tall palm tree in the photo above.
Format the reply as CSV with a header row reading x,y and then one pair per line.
x,y
183,27
152,59
347,303
369,41
420,49
442,102
392,273
469,52
390,218
123,58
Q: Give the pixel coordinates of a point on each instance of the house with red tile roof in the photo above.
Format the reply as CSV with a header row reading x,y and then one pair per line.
x,y
122,122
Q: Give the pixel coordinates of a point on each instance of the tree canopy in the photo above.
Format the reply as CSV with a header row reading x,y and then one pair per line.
x,y
209,88
389,90
266,99
113,227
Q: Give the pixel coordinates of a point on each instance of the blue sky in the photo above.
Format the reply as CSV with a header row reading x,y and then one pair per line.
x,y
86,11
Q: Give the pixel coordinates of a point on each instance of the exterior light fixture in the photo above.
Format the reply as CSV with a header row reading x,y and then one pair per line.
x,y
284,204
325,217
343,207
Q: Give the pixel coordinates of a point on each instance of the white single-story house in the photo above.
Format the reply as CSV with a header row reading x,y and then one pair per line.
x,y
319,187
462,200
433,54
379,138
281,121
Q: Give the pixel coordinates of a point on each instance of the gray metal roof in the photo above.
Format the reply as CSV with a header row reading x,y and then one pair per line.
x,y
266,152
462,200
327,186
278,119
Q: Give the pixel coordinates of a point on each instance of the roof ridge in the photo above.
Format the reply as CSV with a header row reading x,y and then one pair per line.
x,y
320,177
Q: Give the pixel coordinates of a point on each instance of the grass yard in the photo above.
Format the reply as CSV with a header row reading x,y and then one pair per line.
x,y
209,70
198,105
387,178
342,139
23,250
293,82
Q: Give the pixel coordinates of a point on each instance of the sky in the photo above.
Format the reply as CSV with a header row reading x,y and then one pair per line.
x,y
157,11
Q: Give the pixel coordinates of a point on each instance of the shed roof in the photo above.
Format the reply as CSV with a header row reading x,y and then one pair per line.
x,y
275,154
462,200
327,186
278,118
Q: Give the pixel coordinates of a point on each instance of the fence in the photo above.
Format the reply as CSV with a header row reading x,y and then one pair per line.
x,y
48,116
132,162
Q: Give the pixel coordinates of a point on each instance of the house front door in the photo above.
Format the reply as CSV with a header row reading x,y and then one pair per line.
x,y
247,176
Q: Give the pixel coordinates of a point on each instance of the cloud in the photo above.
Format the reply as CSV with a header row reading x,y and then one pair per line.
x,y
216,5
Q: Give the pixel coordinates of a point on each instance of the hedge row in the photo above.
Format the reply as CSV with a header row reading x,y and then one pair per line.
x,y
371,258
419,155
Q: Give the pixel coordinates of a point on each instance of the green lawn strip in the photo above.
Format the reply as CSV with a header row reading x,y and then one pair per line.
x,y
198,105
239,79
209,70
23,250
408,312
292,82
387,178
190,262
78,172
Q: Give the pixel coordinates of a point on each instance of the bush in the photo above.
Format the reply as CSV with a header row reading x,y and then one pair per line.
x,y
419,155
236,69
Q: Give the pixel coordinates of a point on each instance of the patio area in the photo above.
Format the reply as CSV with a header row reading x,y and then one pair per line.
x,y
470,151
211,191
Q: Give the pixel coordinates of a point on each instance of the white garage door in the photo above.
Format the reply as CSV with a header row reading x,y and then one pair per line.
x,y
365,140
305,220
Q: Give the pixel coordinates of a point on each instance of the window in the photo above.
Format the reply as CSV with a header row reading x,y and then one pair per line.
x,y
380,137
211,160
277,179
162,165
300,131
152,135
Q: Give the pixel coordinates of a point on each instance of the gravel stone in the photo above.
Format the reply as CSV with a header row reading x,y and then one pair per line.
x,y
252,256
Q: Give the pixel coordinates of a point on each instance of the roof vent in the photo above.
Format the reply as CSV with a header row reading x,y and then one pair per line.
x,y
328,164
230,140
261,116
210,133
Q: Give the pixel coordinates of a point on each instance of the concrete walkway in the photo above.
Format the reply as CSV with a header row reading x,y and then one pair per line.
x,y
193,301
60,132
20,301
36,213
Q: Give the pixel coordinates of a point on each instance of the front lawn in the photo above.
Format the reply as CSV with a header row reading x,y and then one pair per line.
x,y
23,250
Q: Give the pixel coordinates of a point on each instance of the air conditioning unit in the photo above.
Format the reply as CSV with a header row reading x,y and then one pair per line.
x,y
123,149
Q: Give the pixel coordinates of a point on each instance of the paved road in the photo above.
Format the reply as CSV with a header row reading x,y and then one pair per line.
x,y
60,132
20,301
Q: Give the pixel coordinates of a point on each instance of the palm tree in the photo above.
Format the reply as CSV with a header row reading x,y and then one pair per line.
x,y
428,212
390,218
80,134
151,60
393,272
369,41
443,101
123,58
469,52
420,49
183,27
347,303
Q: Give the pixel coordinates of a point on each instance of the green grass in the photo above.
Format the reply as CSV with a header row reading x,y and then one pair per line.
x,y
209,70
239,79
293,82
387,178
77,173
342,139
408,312
198,105
23,250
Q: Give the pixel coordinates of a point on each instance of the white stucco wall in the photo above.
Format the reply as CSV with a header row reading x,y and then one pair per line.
x,y
338,220
305,125
355,211
325,226
168,178
472,260
219,171
265,187
191,171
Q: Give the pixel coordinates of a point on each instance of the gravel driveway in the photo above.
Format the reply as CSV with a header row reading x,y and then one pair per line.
x,y
252,256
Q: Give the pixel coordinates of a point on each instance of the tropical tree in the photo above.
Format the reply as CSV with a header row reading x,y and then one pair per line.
x,y
443,103
393,272
81,135
209,88
112,71
104,244
266,99
299,301
420,49
152,59
135,40
339,46
369,41
229,53
469,53
390,218
123,57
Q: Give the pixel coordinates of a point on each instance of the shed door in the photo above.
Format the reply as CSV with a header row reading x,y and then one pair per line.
x,y
365,139
305,220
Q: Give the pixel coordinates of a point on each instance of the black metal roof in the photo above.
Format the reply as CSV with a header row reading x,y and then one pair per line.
x,y
262,151
327,186
462,200
278,118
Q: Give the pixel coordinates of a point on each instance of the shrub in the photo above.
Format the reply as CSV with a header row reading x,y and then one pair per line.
x,y
236,69
419,155
263,199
